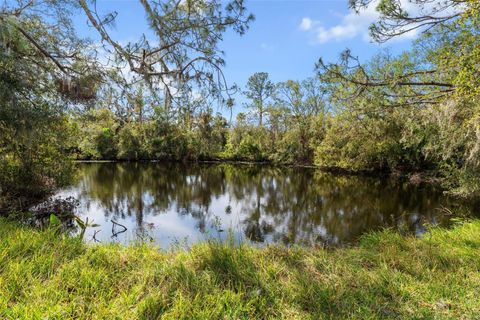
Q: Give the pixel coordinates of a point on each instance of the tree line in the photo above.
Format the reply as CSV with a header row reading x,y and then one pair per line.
x,y
282,123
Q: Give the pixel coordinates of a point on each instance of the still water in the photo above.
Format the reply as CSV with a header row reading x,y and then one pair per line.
x,y
172,203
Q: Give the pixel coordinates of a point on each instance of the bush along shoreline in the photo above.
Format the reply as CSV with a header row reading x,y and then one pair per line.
x,y
44,274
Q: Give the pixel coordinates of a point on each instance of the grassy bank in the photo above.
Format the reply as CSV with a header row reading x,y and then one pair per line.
x,y
43,275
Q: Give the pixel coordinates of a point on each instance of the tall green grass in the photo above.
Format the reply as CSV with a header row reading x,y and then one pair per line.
x,y
47,276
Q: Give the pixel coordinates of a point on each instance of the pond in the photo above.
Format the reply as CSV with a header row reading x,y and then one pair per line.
x,y
171,203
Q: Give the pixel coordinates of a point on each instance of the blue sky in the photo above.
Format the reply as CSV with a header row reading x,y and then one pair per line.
x,y
285,40
288,37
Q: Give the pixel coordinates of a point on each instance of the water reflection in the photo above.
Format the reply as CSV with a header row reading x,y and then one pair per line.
x,y
177,202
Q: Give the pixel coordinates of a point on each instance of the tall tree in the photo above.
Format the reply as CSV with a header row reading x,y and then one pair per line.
x,y
185,52
444,61
400,17
259,90
44,68
304,101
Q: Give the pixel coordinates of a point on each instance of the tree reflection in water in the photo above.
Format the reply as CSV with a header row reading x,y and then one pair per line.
x,y
167,201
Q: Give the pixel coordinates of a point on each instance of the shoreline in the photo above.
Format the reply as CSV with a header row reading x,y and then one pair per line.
x,y
415,177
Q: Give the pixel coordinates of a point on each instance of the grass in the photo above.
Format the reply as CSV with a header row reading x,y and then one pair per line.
x,y
47,276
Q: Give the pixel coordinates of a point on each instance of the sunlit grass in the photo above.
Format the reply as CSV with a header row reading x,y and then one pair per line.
x,y
43,275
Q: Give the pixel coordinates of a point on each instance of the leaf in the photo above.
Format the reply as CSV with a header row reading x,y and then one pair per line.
x,y
54,221
80,222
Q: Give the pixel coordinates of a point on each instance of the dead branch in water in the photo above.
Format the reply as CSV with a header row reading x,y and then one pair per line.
x,y
114,223
95,235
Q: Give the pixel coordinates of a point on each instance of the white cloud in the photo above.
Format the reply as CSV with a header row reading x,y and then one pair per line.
x,y
306,24
351,25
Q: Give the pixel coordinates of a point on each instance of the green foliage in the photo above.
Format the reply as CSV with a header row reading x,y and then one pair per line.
x,y
210,136
103,135
32,159
413,112
54,221
38,49
247,142
304,115
369,139
289,134
295,123
130,142
44,275
97,134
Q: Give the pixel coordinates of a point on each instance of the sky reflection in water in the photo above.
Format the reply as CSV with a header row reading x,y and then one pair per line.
x,y
170,203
